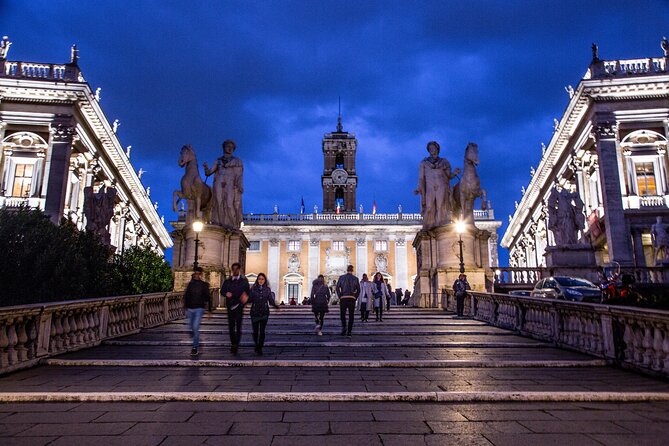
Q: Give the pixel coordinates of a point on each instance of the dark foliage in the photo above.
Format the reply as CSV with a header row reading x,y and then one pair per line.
x,y
42,262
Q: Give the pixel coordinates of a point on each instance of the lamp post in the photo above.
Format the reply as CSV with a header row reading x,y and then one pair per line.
x,y
460,228
197,227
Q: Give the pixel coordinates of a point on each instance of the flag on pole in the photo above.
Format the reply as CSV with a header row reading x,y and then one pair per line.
x,y
374,207
302,206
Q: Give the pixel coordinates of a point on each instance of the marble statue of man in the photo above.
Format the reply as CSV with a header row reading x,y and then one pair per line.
x,y
434,187
565,216
228,187
660,238
99,210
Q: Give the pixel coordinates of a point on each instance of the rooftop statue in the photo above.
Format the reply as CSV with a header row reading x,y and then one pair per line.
x,y
228,187
434,187
196,193
565,216
99,209
468,189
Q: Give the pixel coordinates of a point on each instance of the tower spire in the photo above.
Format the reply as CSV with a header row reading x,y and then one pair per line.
x,y
340,129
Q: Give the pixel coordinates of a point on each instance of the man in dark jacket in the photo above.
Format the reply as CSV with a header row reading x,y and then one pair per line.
x,y
460,288
196,299
236,292
348,289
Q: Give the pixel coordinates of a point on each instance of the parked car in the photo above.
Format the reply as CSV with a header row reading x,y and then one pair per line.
x,y
520,293
567,288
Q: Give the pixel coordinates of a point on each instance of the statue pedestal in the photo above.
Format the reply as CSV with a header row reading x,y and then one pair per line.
x,y
219,247
570,255
438,257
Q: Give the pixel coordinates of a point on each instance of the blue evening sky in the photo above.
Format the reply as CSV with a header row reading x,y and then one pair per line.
x,y
268,74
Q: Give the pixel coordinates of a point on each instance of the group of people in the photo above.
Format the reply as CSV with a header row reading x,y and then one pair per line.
x,y
370,296
237,293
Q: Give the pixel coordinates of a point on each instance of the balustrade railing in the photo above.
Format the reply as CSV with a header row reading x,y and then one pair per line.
x,y
329,217
31,332
635,338
40,71
656,65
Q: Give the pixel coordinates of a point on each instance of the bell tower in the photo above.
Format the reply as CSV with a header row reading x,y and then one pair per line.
x,y
339,179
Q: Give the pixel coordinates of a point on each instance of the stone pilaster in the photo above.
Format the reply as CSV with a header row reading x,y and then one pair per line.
x,y
617,231
401,267
361,256
273,266
62,136
314,261
639,256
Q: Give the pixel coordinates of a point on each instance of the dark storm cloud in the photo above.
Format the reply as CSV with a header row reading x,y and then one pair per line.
x,y
268,74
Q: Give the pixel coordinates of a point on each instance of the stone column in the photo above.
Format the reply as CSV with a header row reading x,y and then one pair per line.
x,y
639,256
62,136
617,230
3,156
401,267
361,256
314,261
273,256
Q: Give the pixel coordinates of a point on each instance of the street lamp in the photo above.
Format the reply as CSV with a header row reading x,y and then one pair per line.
x,y
197,227
460,228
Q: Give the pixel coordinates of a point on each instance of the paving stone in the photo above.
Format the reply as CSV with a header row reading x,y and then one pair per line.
x,y
403,440
238,440
633,439
138,416
359,427
457,439
505,415
587,427
51,417
540,439
329,416
78,429
640,427
309,428
476,427
328,440
259,428
122,440
26,441
175,429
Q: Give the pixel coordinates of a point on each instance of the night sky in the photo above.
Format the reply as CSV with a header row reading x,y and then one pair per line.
x,y
268,74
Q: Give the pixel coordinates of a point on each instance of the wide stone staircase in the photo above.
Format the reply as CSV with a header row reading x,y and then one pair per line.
x,y
419,377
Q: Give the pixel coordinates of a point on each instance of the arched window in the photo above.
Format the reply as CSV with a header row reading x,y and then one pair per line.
x,y
339,161
645,156
339,198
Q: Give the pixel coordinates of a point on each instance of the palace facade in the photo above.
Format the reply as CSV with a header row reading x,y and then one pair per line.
x,y
56,141
611,146
293,249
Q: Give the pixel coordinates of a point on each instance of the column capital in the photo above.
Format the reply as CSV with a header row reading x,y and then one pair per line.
x,y
604,126
62,132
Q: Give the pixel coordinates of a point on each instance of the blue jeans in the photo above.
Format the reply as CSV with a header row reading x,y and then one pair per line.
x,y
194,316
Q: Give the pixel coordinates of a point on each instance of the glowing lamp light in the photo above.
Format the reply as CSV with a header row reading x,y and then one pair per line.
x,y
198,226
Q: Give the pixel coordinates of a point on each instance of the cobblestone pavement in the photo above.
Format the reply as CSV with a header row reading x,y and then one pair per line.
x,y
411,353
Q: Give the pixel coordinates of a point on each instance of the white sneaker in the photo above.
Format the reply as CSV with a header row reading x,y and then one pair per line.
x,y
317,328
320,333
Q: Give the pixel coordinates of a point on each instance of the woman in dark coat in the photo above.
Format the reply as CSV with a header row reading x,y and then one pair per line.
x,y
320,299
260,298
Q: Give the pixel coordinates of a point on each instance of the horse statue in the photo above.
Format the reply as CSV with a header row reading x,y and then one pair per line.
x,y
196,193
468,188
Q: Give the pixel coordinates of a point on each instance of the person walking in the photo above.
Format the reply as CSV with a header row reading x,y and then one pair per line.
x,y
320,301
260,298
196,299
236,291
366,298
348,289
460,287
407,296
380,291
389,296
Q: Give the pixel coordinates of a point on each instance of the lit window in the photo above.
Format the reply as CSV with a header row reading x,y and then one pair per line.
x,y
294,245
338,245
254,245
645,178
23,178
293,291
381,245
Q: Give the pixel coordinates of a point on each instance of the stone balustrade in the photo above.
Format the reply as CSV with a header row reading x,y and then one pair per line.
x,y
634,338
32,332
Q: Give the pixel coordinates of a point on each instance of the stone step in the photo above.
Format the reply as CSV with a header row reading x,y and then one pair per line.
x,y
429,363
348,343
